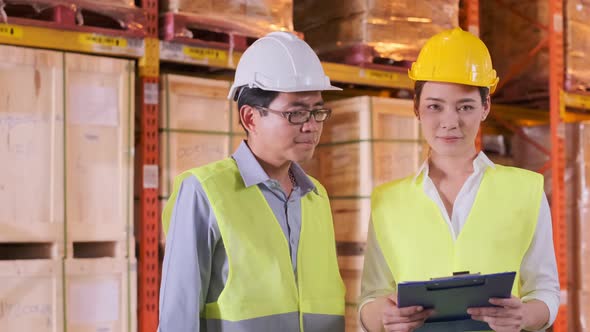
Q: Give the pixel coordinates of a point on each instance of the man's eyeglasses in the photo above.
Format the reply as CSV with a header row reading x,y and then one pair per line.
x,y
301,117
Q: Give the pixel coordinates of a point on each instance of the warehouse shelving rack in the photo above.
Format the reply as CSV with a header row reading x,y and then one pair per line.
x,y
150,51
564,107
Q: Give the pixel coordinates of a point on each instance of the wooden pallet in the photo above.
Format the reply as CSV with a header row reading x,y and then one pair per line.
x,y
83,16
198,31
365,56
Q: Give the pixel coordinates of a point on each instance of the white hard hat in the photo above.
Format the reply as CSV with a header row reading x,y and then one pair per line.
x,y
280,61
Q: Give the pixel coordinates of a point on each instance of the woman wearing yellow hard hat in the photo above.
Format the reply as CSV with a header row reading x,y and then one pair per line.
x,y
460,212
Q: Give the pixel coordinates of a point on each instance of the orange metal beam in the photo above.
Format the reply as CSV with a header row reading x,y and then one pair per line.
x,y
472,25
518,131
520,65
472,16
149,277
556,81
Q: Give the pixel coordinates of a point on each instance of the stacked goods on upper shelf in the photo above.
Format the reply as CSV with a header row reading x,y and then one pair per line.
x,y
119,18
208,20
372,31
524,23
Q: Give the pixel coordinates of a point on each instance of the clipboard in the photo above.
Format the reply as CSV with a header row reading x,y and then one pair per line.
x,y
451,296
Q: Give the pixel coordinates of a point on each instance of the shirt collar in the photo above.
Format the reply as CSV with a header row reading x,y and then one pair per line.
x,y
480,164
253,174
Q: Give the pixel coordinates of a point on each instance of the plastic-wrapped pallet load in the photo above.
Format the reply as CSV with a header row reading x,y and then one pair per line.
x,y
370,29
366,142
577,52
120,15
498,22
256,17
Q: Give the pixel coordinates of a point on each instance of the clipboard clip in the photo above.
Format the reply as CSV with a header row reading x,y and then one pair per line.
x,y
459,273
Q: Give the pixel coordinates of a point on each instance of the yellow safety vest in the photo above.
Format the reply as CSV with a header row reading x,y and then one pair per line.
x,y
416,241
261,292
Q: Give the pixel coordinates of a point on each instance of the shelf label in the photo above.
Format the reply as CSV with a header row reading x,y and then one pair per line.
x,y
201,54
380,75
10,31
94,39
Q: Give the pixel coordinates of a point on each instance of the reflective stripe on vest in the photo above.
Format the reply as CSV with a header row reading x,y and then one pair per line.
x,y
261,289
416,241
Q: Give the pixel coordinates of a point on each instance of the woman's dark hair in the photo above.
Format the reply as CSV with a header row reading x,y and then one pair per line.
x,y
419,85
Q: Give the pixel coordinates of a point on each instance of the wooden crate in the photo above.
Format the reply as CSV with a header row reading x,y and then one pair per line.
x,y
364,118
182,151
98,294
351,268
197,104
354,169
367,141
31,145
196,125
99,138
351,219
31,295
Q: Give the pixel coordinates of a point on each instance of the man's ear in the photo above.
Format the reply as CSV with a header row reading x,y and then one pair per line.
x,y
247,115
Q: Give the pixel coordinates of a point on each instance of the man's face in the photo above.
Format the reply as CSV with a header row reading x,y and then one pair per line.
x,y
282,140
450,116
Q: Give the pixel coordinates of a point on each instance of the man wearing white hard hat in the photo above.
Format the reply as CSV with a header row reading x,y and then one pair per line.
x,y
250,242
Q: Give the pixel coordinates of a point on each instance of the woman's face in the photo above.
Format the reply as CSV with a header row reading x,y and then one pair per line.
x,y
450,115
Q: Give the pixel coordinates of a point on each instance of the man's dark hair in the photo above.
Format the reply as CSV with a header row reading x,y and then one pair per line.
x,y
253,97
419,85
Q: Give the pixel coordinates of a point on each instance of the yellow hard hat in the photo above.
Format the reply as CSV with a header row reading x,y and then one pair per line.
x,y
455,56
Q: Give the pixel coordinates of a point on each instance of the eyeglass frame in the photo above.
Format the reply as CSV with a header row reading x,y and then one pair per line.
x,y
287,114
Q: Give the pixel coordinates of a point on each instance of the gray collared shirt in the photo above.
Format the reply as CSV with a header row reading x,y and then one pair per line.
x,y
195,265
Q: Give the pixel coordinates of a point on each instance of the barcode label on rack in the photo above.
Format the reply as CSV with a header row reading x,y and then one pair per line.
x,y
381,75
10,31
94,39
207,54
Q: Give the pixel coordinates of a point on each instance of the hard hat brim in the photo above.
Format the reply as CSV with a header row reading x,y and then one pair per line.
x,y
234,89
